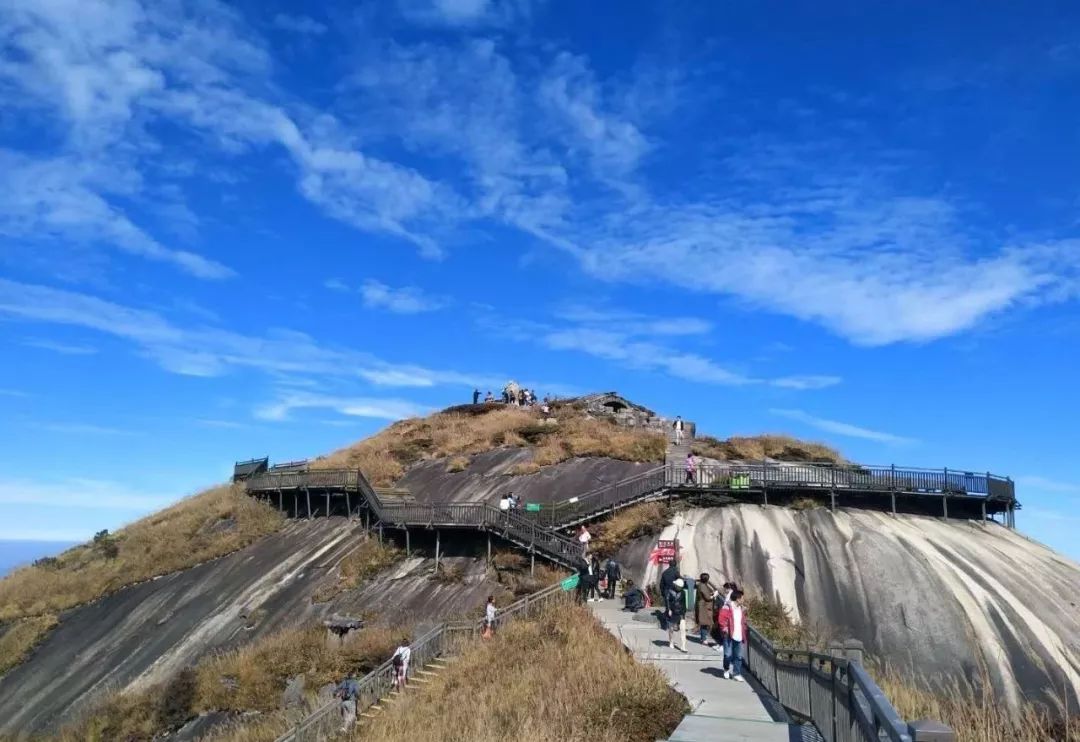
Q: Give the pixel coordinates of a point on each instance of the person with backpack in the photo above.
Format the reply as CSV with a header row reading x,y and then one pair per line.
x,y
346,692
400,661
667,579
675,605
733,625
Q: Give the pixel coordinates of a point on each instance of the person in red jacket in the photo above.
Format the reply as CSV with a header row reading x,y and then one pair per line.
x,y
732,621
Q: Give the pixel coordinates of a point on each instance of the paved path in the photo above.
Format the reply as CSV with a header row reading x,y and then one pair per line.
x,y
722,710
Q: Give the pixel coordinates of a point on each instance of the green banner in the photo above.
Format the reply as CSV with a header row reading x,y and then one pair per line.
x,y
570,583
532,507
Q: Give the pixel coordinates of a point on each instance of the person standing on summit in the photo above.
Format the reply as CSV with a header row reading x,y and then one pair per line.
x,y
475,396
678,426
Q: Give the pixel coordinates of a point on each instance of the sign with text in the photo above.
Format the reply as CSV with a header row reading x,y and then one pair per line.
x,y
664,551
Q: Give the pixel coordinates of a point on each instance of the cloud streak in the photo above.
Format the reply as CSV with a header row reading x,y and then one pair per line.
x,y
847,430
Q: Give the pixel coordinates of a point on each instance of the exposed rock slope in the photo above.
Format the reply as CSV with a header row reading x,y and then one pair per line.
x,y
949,597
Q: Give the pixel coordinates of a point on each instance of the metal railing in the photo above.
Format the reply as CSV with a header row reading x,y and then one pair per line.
x,y
513,525
837,695
854,477
325,721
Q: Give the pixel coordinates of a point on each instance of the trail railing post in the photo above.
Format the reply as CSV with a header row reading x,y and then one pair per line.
x,y
926,730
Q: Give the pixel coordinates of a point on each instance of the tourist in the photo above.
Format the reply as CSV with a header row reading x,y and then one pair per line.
x,y
703,607
691,468
475,396
347,691
667,579
584,537
505,503
634,598
733,624
594,578
400,662
678,426
490,397
675,605
583,579
614,574
489,618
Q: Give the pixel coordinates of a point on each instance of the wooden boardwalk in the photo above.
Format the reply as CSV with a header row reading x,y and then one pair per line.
x,y
721,710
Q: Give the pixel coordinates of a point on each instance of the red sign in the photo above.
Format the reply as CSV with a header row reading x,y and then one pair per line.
x,y
664,551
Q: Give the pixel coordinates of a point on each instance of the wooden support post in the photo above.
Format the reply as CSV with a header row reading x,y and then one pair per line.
x,y
984,511
367,519
296,505
893,493
348,504
436,551
832,498
327,504
280,501
380,533
408,546
532,563
489,547
307,493
945,506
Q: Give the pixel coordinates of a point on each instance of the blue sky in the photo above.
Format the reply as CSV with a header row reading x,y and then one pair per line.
x,y
236,230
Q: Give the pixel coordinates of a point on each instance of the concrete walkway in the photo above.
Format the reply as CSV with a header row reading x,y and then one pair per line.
x,y
721,710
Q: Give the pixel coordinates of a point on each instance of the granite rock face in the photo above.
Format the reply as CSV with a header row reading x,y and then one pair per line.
x,y
144,634
949,598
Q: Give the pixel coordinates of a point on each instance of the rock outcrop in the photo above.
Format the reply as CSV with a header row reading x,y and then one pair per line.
x,y
950,598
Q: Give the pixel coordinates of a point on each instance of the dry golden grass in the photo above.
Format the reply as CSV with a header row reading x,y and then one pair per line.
x,y
249,679
628,524
253,677
517,582
757,447
20,638
455,435
202,527
456,464
976,715
364,562
558,677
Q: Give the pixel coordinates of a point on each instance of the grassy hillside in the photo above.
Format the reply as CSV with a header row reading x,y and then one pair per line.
x,y
558,677
208,525
459,432
758,447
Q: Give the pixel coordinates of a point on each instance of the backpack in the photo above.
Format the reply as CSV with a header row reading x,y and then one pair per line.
x,y
348,690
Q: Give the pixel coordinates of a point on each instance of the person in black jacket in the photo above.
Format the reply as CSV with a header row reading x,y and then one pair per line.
x,y
667,580
614,574
675,605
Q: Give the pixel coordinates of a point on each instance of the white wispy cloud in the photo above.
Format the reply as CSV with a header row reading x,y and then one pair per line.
x,y
78,428
402,300
613,144
373,407
203,70
213,351
806,382
301,24
14,393
61,348
457,13
89,494
842,428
